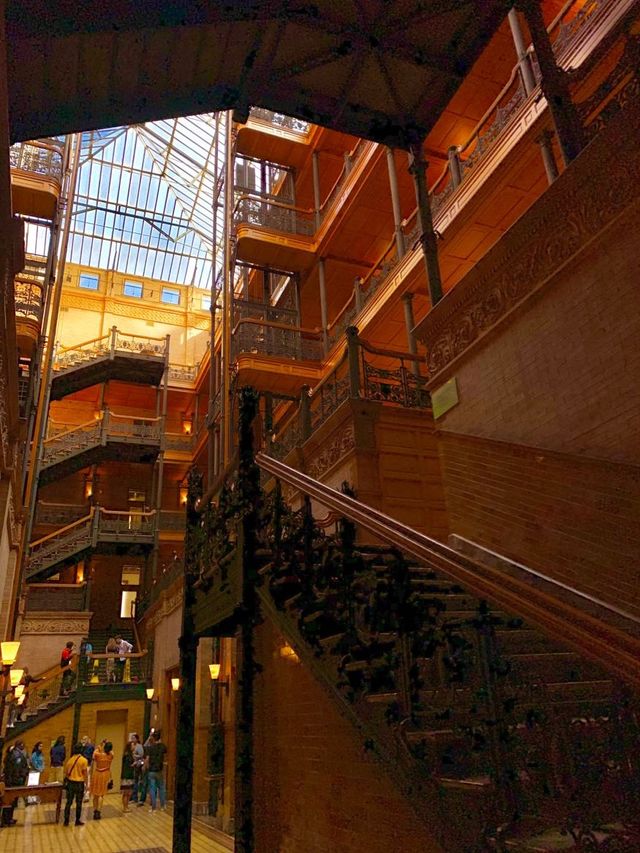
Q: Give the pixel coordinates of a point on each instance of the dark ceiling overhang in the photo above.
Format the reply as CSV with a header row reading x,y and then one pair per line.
x,y
381,69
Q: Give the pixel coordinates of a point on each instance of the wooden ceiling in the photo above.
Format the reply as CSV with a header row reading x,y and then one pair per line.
x,y
380,69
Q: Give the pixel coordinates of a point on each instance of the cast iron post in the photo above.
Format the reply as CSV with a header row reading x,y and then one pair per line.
x,y
428,238
183,792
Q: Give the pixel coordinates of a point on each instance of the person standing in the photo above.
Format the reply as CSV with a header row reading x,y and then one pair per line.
x,y
137,757
27,680
100,775
127,776
87,750
65,665
111,648
154,762
37,757
57,756
124,648
16,773
75,772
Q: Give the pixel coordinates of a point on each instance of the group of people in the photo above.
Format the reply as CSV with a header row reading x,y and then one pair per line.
x,y
86,773
115,666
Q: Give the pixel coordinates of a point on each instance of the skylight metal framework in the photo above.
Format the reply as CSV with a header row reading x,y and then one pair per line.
x,y
144,200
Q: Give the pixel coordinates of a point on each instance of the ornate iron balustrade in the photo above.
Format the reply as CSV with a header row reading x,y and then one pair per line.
x,y
183,372
68,440
399,384
59,514
269,213
352,158
172,519
38,157
115,342
129,526
28,300
281,121
63,543
275,339
178,441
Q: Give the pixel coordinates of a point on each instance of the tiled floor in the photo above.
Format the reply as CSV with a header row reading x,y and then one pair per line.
x,y
136,832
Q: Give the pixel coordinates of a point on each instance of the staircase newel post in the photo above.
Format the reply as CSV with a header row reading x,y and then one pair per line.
x,y
188,644
104,427
353,357
114,334
95,524
249,485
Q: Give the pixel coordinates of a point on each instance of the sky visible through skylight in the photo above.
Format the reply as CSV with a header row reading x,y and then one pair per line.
x,y
144,200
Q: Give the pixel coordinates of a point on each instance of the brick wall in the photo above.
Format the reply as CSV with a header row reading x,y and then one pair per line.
x,y
315,788
563,373
573,518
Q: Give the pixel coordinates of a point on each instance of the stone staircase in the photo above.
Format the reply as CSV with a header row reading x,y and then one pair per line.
x,y
509,740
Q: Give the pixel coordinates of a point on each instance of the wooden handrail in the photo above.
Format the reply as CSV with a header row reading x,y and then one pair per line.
x,y
388,353
56,585
116,654
74,428
133,418
273,201
127,512
62,530
83,344
598,639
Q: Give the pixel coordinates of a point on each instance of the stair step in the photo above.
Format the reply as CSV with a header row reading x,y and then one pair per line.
x,y
382,698
467,783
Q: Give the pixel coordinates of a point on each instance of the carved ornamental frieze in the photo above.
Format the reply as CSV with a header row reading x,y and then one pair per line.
x,y
598,186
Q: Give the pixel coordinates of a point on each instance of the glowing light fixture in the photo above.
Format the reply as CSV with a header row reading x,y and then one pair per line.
x,y
15,676
175,684
21,699
183,492
9,652
187,424
289,653
150,692
214,669
18,690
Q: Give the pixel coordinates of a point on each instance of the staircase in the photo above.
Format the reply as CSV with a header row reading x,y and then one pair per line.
x,y
116,355
473,712
101,528
69,448
45,700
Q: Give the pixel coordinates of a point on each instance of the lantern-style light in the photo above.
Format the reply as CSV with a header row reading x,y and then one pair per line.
x,y
15,676
175,684
18,690
9,651
214,669
150,692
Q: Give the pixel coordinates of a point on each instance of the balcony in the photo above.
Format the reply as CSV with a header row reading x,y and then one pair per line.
x,y
58,597
101,529
117,355
109,437
277,137
504,137
36,177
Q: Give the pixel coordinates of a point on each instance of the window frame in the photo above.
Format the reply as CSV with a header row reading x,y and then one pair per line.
x,y
174,292
134,284
95,277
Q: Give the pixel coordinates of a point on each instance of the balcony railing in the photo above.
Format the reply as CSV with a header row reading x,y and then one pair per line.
x,y
28,300
276,215
568,31
39,157
58,597
279,340
295,125
364,372
59,514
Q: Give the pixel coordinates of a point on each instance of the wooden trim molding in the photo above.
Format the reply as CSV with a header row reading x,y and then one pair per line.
x,y
586,199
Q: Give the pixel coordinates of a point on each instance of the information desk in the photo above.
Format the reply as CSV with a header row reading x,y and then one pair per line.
x,y
47,794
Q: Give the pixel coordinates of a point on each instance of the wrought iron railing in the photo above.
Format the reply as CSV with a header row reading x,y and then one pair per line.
x,y
28,300
115,342
100,668
389,376
183,372
126,525
67,440
59,514
39,157
276,339
281,121
172,519
244,309
276,215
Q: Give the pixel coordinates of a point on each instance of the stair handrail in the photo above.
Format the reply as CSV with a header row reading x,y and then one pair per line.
x,y
603,642
74,428
49,688
57,533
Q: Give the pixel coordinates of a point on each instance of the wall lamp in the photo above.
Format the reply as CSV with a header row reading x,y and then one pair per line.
x,y
175,684
15,677
214,671
150,692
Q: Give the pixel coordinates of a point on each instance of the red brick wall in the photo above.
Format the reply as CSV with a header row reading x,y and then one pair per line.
x,y
315,789
564,372
573,518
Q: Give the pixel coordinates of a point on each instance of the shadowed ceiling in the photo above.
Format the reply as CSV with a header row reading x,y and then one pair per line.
x,y
381,69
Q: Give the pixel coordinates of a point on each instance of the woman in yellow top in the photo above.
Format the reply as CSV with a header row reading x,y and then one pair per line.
x,y
76,771
100,775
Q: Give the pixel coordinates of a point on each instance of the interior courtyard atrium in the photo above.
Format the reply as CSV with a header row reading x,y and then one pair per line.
x,y
320,426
